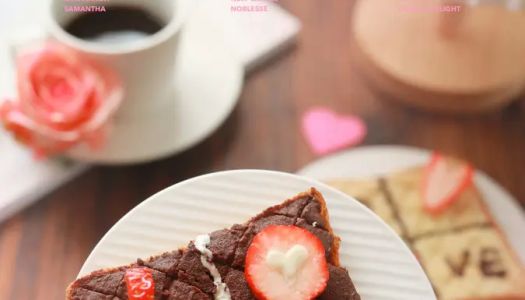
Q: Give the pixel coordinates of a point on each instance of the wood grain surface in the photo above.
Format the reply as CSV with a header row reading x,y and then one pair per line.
x,y
43,247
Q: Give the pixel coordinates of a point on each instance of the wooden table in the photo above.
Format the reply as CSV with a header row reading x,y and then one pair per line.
x,y
43,247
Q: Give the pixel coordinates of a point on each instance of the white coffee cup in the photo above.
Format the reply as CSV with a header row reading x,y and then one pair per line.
x,y
146,67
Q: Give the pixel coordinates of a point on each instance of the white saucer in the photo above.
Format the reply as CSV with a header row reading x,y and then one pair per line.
x,y
380,264
377,160
207,88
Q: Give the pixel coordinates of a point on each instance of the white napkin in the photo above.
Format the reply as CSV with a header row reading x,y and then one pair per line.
x,y
24,180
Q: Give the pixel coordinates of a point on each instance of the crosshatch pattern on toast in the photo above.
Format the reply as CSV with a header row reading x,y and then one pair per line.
x,y
180,275
462,250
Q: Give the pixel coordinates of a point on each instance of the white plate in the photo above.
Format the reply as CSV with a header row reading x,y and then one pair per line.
x,y
377,160
207,87
379,262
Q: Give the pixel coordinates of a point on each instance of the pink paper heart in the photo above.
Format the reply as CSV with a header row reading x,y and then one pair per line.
x,y
326,131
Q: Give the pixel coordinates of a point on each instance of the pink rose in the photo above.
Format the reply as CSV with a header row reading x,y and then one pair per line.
x,y
63,99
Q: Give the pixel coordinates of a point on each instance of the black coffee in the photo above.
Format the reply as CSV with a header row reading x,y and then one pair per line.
x,y
117,24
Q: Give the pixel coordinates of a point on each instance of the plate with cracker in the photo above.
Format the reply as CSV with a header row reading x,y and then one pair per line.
x,y
472,247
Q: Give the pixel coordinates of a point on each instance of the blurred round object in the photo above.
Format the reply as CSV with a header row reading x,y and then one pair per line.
x,y
441,55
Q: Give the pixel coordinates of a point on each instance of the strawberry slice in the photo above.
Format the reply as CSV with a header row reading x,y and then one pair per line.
x,y
286,263
444,180
139,283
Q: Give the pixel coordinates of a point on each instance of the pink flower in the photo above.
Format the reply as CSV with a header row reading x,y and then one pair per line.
x,y
63,99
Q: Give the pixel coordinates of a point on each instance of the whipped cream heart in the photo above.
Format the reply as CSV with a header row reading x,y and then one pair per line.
x,y
287,263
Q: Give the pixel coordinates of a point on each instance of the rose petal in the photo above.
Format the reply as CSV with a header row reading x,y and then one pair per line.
x,y
40,138
46,105
35,67
109,93
61,94
64,99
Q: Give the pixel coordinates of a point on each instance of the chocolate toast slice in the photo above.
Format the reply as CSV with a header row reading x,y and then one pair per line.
x,y
180,274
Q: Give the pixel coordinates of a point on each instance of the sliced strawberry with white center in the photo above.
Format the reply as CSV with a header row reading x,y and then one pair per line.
x,y
139,283
443,182
286,263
